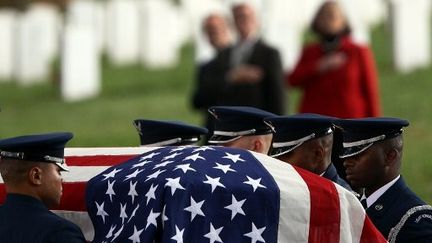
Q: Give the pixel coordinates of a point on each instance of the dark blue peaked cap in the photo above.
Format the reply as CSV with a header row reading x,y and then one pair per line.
x,y
164,133
293,131
233,122
360,134
38,148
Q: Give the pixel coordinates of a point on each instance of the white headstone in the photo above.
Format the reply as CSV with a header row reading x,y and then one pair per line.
x,y
283,26
80,70
411,34
362,16
160,34
37,43
123,31
90,14
7,43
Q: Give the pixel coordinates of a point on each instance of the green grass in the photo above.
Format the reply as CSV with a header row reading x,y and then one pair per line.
x,y
135,92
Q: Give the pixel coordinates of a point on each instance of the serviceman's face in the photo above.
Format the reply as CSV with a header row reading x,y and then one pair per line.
x,y
51,187
367,168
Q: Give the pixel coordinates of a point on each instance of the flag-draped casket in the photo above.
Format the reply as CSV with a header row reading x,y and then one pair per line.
x,y
216,194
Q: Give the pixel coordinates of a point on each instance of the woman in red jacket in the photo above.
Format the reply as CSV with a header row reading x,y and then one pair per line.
x,y
337,76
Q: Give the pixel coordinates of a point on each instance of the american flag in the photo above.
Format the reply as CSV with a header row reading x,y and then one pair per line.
x,y
84,163
215,194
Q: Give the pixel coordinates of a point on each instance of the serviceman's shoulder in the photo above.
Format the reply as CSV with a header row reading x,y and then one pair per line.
x,y
414,226
64,231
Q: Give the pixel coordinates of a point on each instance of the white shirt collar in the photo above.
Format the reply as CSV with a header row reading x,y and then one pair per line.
x,y
378,193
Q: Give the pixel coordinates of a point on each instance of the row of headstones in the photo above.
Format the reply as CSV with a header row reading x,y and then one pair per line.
x,y
152,32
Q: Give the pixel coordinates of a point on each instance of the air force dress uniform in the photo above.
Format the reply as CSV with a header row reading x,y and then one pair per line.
x,y
155,133
397,212
293,131
25,219
233,122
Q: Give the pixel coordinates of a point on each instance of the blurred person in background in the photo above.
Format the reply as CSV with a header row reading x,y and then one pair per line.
x,y
254,75
247,73
337,76
210,74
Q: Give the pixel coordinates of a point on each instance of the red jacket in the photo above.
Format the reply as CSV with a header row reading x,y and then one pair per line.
x,y
350,91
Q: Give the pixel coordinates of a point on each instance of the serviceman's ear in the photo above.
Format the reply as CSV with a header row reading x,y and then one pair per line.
x,y
35,175
391,156
258,146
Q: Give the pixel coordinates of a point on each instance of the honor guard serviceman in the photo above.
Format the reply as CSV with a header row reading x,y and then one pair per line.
x,y
372,153
241,127
306,141
154,133
31,168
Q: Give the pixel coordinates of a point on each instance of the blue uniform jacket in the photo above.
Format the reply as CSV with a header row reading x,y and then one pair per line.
x,y
24,219
390,208
331,174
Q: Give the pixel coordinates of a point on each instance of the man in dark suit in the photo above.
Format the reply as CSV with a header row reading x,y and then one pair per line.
x,y
249,73
210,74
30,167
306,141
372,153
254,75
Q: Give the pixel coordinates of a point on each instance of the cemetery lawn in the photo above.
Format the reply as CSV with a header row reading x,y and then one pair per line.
x,y
135,92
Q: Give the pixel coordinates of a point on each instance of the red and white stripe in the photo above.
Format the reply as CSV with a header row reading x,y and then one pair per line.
x,y
312,209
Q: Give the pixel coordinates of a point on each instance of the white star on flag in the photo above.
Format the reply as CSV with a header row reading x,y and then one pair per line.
x,y
133,212
163,164
179,148
178,237
151,193
110,191
184,167
195,208
132,190
101,211
135,237
174,183
172,156
214,182
123,214
203,148
111,231
151,219
233,157
213,235
236,207
149,156
116,234
111,174
133,175
164,217
224,168
141,164
254,183
155,175
194,157
255,234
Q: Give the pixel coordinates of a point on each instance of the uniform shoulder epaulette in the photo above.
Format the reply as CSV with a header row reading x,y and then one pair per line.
x,y
395,230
